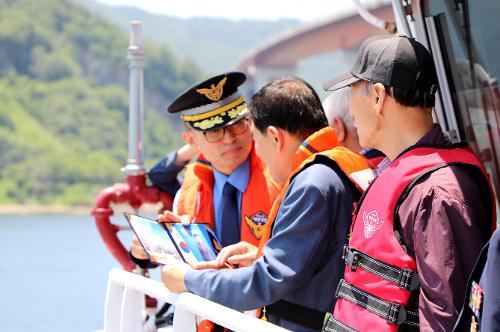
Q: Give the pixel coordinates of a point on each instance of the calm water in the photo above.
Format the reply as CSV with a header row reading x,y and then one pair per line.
x,y
53,273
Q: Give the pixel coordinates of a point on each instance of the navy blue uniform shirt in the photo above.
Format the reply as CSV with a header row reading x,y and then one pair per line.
x,y
301,262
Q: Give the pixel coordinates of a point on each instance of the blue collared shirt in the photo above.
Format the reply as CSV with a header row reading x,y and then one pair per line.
x,y
239,179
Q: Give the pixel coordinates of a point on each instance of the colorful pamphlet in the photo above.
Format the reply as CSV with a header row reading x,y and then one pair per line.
x,y
166,243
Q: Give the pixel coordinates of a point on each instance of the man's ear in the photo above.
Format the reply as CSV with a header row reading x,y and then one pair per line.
x,y
339,126
187,136
276,135
381,97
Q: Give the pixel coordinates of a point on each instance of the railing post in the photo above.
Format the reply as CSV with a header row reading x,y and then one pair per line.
x,y
132,310
112,305
184,319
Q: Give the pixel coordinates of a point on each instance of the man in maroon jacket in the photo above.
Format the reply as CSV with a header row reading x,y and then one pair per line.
x,y
423,221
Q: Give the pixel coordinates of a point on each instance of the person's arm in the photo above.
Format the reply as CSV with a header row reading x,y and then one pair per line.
x,y
301,234
490,317
164,173
446,240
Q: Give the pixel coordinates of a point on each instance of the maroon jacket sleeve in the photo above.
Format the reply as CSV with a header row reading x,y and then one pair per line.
x,y
441,222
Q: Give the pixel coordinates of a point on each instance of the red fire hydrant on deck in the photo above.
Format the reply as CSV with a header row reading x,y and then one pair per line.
x,y
134,192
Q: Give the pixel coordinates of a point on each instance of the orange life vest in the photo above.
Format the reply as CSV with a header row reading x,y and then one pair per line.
x,y
196,197
323,142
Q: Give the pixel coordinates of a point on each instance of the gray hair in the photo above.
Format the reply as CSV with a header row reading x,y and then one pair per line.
x,y
337,105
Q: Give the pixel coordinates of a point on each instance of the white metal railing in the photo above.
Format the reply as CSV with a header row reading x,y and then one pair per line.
x,y
124,307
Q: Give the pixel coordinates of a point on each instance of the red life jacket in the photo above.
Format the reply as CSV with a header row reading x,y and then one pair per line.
x,y
196,198
381,274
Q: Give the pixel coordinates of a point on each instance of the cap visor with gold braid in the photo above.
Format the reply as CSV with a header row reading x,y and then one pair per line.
x,y
212,104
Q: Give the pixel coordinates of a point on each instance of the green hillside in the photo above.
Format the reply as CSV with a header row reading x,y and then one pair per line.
x,y
64,102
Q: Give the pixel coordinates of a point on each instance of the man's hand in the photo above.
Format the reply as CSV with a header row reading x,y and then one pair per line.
x,y
173,276
242,253
169,216
137,250
185,154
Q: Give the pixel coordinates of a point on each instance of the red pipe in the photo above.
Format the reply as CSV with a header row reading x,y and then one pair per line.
x,y
133,192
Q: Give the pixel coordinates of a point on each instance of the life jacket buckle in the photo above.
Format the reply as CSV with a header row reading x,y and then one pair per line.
x,y
351,258
401,318
415,282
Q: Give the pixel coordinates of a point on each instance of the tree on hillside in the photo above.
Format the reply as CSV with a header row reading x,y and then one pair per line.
x,y
64,102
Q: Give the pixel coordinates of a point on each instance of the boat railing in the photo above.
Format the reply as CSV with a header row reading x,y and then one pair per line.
x,y
125,307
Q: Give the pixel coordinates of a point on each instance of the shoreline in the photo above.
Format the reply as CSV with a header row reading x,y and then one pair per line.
x,y
44,209
65,209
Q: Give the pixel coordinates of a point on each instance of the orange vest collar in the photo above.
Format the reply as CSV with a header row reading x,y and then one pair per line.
x,y
196,197
322,140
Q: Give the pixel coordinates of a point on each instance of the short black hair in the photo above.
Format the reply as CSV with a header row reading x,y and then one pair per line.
x,y
406,97
288,103
420,98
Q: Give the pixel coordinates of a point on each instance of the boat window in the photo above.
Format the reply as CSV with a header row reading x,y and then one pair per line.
x,y
472,30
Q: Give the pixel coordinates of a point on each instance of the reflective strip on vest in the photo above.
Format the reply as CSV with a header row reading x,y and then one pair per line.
x,y
391,312
333,325
403,278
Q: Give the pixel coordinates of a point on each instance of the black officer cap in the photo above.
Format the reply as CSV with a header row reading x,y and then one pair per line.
x,y
213,103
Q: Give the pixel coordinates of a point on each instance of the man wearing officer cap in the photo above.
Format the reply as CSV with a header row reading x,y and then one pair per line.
x,y
421,223
295,270
227,185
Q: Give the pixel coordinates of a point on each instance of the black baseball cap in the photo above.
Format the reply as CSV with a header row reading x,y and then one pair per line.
x,y
394,61
213,103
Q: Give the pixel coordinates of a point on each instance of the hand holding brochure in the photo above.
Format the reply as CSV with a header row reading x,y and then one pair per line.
x,y
166,243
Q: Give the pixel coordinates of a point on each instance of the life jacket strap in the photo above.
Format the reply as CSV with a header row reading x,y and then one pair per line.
x,y
334,325
403,278
391,312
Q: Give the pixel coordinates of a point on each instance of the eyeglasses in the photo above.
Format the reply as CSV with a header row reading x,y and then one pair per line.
x,y
237,128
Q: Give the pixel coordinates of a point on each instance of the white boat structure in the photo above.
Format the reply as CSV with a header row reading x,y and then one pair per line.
x,y
467,108
125,308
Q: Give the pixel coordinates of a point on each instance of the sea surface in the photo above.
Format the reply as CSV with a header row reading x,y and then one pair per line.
x,y
53,272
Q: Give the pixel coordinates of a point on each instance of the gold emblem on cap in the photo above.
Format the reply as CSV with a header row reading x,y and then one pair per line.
x,y
208,123
236,111
214,92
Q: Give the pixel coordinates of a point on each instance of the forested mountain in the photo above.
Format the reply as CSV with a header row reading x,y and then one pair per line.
x,y
214,44
64,102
